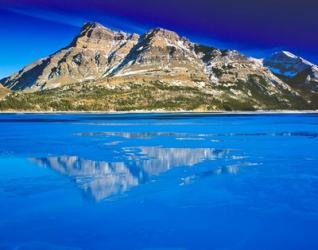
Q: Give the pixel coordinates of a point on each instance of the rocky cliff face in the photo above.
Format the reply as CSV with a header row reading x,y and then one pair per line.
x,y
306,79
109,58
162,54
3,91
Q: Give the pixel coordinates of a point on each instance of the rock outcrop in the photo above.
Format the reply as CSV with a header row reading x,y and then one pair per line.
x,y
3,91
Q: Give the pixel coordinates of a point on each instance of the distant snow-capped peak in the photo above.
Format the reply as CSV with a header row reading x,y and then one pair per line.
x,y
286,64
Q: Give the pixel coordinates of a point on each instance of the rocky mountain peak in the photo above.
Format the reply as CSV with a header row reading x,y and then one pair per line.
x,y
93,29
134,37
97,34
162,38
286,64
160,32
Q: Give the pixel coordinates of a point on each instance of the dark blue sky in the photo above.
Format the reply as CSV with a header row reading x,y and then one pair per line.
x,y
31,29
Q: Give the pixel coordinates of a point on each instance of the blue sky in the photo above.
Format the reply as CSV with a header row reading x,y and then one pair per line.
x,y
32,29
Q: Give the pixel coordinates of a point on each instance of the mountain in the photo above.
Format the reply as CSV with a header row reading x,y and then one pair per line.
x,y
90,55
100,53
289,66
286,64
102,69
299,73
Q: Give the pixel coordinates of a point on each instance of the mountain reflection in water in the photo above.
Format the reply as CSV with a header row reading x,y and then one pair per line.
x,y
139,135
102,179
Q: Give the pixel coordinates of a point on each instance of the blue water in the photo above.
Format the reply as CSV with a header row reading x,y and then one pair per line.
x,y
158,182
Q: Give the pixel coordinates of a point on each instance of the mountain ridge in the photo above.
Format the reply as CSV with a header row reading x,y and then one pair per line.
x,y
99,57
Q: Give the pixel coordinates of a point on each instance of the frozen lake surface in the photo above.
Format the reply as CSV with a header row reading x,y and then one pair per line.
x,y
158,181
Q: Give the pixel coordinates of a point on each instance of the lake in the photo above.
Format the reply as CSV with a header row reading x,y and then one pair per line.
x,y
158,181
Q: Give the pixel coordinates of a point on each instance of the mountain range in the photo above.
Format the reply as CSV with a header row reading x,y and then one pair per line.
x,y
108,70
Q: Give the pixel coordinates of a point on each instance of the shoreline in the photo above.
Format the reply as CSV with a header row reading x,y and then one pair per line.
x,y
165,112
